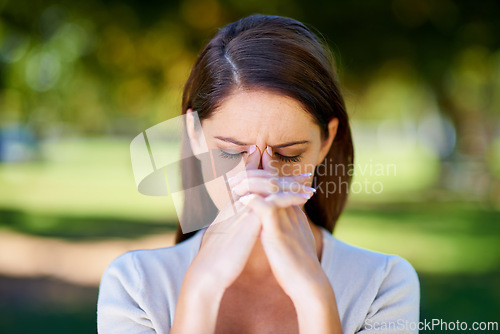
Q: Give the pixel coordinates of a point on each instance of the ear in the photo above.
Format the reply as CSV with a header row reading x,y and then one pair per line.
x,y
327,143
195,133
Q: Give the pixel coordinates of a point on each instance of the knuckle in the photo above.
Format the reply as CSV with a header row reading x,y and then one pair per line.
x,y
247,198
270,210
274,184
272,198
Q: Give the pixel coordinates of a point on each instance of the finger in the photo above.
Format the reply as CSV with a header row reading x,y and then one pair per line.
x,y
253,159
286,199
245,174
229,210
263,186
304,179
267,161
255,181
250,225
278,200
299,178
244,230
292,184
227,219
266,210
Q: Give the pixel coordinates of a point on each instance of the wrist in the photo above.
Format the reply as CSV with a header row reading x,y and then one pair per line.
x,y
315,285
318,313
199,298
316,298
203,285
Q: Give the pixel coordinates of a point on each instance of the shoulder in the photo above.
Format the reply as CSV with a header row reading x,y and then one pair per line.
x,y
372,287
138,265
139,288
361,261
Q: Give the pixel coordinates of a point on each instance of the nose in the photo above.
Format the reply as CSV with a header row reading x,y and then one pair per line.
x,y
265,158
260,158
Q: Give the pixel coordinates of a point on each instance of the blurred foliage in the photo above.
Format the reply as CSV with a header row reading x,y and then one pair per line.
x,y
422,84
103,66
426,71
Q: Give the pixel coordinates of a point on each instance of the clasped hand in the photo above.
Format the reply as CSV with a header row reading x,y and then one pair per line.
x,y
267,209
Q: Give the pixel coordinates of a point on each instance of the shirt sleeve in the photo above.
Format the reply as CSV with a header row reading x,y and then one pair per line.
x,y
396,306
118,306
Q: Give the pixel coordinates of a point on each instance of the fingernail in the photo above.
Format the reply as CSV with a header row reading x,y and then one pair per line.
x,y
305,174
245,199
269,151
311,189
305,195
252,149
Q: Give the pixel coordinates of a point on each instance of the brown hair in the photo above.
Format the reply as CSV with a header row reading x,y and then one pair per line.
x,y
277,54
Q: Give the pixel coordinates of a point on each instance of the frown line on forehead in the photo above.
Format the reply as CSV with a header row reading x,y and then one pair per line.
x,y
239,143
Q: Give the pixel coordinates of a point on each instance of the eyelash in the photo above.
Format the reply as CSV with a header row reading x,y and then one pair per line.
x,y
283,158
226,155
295,158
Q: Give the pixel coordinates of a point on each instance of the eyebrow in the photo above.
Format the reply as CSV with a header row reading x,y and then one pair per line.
x,y
237,142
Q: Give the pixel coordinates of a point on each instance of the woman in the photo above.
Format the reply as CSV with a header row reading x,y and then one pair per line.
x,y
265,92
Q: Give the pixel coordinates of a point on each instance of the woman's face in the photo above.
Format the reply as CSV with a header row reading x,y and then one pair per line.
x,y
261,118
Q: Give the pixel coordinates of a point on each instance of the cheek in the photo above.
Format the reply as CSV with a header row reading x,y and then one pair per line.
x,y
218,192
214,181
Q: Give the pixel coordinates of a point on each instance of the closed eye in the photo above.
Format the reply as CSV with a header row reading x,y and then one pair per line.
x,y
285,158
227,155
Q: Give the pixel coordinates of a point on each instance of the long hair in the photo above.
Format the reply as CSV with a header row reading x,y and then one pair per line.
x,y
281,55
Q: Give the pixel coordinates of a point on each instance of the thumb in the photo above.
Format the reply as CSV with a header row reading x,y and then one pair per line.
x,y
253,159
267,161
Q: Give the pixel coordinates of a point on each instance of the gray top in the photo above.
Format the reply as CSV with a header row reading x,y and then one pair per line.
x,y
375,292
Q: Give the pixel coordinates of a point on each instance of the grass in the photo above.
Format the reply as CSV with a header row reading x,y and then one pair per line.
x,y
91,177
436,238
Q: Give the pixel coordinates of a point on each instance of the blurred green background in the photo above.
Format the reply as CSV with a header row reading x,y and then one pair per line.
x,y
80,79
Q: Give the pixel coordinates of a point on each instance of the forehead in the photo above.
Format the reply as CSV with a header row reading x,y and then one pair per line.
x,y
255,114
